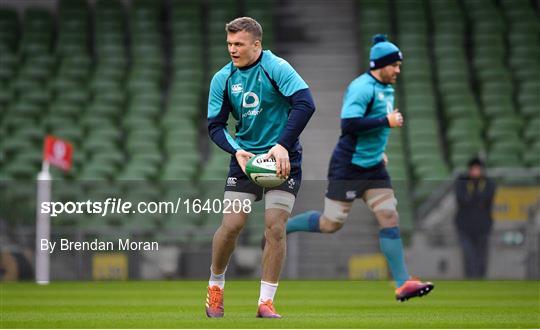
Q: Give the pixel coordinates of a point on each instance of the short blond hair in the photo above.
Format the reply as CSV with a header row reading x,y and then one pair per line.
x,y
247,24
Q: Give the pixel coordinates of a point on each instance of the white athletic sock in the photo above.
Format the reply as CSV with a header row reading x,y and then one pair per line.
x,y
268,291
217,279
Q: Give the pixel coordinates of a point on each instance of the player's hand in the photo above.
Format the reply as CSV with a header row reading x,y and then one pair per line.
x,y
385,159
281,155
242,157
395,119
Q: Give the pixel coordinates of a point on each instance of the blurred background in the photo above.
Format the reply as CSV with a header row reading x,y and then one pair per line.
x,y
126,82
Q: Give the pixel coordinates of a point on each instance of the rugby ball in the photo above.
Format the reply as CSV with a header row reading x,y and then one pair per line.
x,y
263,172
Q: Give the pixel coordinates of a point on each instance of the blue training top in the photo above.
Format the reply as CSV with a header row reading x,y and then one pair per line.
x,y
269,100
364,126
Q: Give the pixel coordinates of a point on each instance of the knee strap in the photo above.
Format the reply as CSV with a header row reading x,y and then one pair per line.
x,y
336,211
278,199
385,201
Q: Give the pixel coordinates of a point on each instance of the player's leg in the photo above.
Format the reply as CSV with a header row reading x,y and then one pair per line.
x,y
223,245
337,206
278,207
306,221
334,215
226,235
238,187
279,202
331,220
382,203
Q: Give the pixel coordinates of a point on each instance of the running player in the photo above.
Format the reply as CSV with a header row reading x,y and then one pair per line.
x,y
358,164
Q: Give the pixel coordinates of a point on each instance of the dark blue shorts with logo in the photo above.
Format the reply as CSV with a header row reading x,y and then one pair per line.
x,y
347,181
239,182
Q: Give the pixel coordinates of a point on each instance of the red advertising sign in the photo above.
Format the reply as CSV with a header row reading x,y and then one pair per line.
x,y
57,152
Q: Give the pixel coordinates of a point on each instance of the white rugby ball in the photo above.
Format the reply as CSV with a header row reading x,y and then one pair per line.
x,y
263,172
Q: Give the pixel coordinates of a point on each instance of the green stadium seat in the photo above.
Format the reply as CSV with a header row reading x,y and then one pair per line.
x,y
54,122
8,64
532,130
431,170
495,134
504,159
76,97
6,96
137,146
145,134
184,159
105,133
103,110
33,134
506,124
139,172
510,148
460,160
398,171
531,156
72,134
64,109
97,145
111,157
25,108
75,68
21,170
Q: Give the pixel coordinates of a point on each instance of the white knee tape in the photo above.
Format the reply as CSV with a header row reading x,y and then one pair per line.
x,y
336,211
236,195
381,202
278,199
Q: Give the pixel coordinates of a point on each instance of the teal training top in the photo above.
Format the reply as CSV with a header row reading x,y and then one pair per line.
x,y
260,98
365,97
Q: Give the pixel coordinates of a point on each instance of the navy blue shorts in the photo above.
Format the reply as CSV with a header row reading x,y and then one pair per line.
x,y
238,181
346,182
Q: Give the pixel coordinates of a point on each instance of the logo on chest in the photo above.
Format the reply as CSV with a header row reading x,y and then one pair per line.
x,y
250,100
237,88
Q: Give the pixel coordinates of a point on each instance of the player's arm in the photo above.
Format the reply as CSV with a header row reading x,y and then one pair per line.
x,y
355,104
219,109
360,124
302,108
294,88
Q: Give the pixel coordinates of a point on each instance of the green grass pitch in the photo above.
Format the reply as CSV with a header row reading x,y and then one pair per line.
x,y
303,304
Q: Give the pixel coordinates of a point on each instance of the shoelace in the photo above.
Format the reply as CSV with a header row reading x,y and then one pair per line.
x,y
215,297
403,286
414,278
269,304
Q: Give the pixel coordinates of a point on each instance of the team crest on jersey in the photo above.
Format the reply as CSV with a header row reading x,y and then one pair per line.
x,y
380,96
237,88
250,100
291,183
